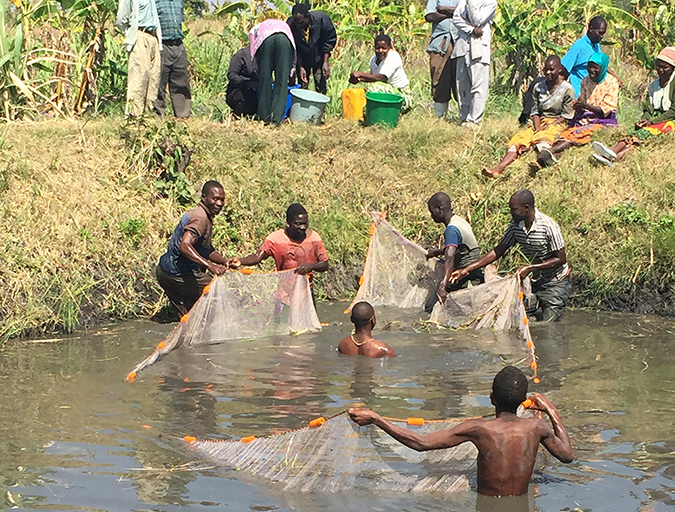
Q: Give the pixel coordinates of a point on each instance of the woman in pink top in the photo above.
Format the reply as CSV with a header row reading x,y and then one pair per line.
x,y
294,247
273,52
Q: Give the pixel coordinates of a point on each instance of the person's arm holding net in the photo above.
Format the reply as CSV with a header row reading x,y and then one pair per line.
x,y
434,441
555,437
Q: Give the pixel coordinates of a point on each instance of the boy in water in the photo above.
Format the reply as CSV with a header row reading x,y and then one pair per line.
x,y
507,445
361,343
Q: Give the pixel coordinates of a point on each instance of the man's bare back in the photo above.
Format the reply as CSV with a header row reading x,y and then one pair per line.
x,y
507,451
507,445
350,346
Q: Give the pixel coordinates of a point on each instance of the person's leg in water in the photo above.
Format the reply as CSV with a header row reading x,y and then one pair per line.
x,y
552,298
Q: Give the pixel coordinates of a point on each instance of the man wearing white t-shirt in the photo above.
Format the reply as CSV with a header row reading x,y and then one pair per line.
x,y
472,51
385,66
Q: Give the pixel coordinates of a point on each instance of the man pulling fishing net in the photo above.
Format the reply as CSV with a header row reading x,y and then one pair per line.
x,y
507,445
541,241
293,247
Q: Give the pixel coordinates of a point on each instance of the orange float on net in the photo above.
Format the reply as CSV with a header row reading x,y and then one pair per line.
x,y
206,289
161,345
184,318
533,364
189,439
528,403
246,271
247,439
361,281
530,344
521,295
317,422
186,379
536,380
415,421
147,426
526,321
131,377
372,229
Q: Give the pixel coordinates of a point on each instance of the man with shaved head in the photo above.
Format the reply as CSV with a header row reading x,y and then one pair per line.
x,y
361,343
460,248
551,113
541,242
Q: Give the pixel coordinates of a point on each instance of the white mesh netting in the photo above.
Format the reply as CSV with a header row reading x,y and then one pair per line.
x,y
243,304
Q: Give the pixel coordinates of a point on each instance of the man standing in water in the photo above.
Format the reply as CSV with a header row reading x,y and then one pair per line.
x,y
294,247
181,271
460,248
542,243
361,343
507,445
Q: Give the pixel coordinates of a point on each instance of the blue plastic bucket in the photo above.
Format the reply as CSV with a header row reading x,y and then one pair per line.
x,y
307,106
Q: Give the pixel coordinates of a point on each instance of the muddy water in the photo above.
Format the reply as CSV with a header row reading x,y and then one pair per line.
x,y
74,436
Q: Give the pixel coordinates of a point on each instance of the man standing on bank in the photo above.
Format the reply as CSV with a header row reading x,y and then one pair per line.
x,y
181,271
174,60
315,38
442,67
542,243
139,22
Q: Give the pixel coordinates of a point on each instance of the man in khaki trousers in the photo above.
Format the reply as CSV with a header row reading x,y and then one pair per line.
x,y
139,22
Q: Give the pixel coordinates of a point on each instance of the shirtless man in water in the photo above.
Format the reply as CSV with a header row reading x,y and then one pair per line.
x,y
507,445
361,342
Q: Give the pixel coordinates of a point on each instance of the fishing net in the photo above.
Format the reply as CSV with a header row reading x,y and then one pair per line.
x,y
239,305
397,273
337,455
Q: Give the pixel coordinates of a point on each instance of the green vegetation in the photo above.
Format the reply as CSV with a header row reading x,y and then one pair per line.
x,y
85,226
60,57
89,202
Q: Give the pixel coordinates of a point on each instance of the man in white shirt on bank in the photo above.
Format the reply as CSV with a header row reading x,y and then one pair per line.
x,y
473,19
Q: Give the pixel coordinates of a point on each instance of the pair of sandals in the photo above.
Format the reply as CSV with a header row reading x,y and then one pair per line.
x,y
603,154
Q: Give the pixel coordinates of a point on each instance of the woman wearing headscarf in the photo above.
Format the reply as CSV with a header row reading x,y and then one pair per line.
x,y
595,108
658,112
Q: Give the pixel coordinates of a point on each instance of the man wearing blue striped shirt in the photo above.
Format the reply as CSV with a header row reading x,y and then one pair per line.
x,y
541,242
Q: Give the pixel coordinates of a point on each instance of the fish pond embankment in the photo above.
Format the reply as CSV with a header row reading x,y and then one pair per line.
x,y
88,207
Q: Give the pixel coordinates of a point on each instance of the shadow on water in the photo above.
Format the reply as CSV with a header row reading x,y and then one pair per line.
x,y
76,437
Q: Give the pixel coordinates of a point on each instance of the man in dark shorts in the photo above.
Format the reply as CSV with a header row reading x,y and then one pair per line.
x,y
507,445
181,271
541,242
460,248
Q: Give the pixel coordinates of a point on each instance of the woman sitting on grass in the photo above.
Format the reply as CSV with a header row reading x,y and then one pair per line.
x,y
551,112
386,71
658,112
595,108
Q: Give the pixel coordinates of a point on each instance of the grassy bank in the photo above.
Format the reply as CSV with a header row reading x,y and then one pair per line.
x,y
84,223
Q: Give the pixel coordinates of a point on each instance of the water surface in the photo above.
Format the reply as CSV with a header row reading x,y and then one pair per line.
x,y
76,437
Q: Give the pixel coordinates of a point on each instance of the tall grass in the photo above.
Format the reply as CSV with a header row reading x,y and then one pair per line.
x,y
78,255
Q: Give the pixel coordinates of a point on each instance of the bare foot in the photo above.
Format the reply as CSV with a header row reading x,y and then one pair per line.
x,y
492,173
